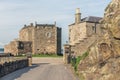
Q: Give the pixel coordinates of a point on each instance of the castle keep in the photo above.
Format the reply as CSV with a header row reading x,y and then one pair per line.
x,y
37,39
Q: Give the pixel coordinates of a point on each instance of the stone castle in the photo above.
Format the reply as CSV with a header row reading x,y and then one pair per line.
x,y
37,39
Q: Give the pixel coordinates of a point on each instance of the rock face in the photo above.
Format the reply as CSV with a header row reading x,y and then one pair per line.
x,y
103,61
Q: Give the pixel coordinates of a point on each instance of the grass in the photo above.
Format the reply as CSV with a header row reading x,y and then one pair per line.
x,y
46,55
75,61
41,55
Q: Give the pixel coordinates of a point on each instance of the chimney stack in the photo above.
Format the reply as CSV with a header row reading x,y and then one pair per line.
x,y
77,16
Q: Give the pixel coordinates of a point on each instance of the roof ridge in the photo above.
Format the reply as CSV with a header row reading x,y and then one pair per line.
x,y
95,16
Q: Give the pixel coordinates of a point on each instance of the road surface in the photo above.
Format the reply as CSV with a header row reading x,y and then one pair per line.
x,y
42,69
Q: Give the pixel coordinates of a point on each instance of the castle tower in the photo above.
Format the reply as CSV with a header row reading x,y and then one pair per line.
x,y
77,16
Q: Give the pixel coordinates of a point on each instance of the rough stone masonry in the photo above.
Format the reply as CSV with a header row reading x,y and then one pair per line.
x,y
103,61
37,39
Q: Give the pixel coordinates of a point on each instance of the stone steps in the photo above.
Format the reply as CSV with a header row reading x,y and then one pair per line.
x,y
84,44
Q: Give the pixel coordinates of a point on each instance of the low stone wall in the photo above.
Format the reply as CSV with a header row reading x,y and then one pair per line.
x,y
8,67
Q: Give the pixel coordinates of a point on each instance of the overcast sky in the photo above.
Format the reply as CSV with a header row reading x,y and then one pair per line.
x,y
15,13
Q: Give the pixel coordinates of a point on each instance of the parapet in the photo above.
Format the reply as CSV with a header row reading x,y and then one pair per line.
x,y
45,25
39,26
28,26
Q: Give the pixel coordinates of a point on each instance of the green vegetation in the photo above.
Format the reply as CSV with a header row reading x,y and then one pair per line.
x,y
46,55
41,55
84,55
75,61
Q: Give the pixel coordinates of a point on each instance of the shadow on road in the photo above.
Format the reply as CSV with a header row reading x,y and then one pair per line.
x,y
18,73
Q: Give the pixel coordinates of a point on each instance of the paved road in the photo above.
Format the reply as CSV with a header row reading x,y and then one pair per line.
x,y
42,69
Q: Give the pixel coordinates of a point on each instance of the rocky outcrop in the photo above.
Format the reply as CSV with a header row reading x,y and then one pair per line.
x,y
103,61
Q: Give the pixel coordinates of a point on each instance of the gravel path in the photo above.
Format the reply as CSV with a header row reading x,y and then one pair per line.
x,y
42,69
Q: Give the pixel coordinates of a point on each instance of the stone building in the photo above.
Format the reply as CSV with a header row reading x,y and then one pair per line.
x,y
45,38
18,47
83,28
83,32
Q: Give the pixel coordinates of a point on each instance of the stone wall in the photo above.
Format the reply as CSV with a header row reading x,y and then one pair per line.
x,y
18,47
12,47
103,61
82,47
77,32
45,40
8,67
83,30
93,28
67,54
83,35
24,47
26,33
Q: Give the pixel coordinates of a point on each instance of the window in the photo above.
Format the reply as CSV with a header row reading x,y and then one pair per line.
x,y
94,29
48,34
21,45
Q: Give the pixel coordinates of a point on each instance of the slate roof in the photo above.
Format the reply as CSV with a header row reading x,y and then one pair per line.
x,y
91,19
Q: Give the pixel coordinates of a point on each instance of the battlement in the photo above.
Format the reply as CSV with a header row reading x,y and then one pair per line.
x,y
38,26
28,26
44,25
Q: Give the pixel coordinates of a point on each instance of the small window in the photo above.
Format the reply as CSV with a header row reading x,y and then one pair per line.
x,y
48,34
21,45
93,28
